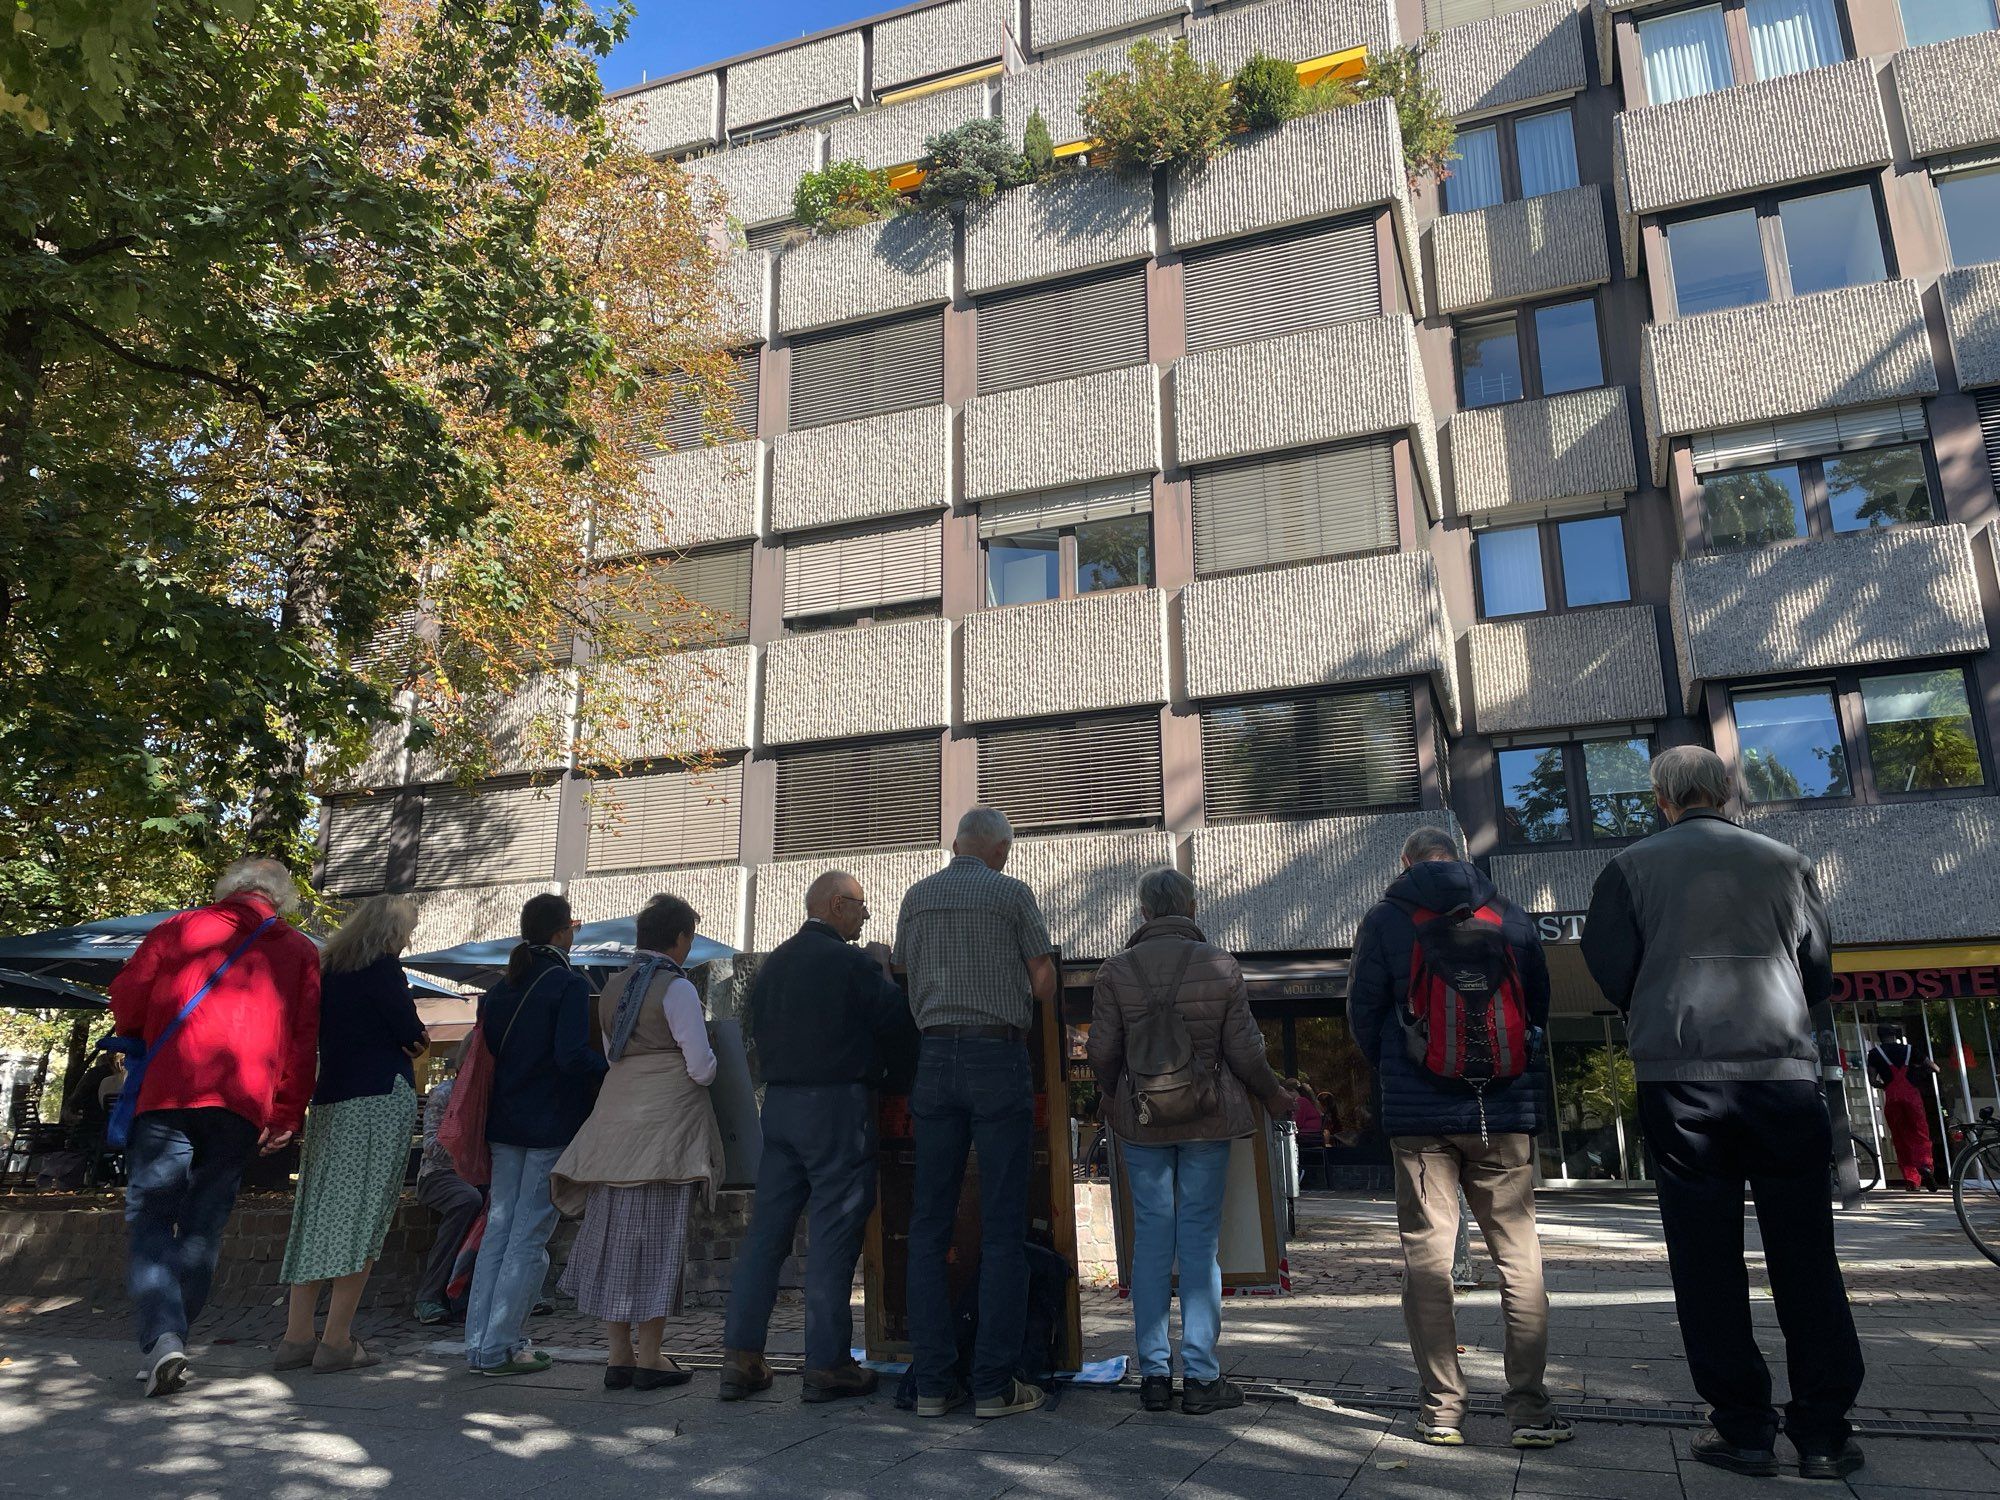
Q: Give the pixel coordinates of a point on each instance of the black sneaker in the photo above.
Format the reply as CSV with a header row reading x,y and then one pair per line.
x,y
1831,1465
1200,1397
1714,1449
1156,1392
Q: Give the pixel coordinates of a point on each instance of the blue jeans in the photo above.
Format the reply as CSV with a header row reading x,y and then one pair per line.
x,y
514,1255
971,1092
183,1168
819,1156
1177,1214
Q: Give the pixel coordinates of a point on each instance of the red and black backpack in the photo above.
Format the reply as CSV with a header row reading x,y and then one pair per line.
x,y
1465,1020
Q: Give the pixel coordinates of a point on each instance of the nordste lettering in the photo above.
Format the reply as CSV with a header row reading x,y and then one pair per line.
x,y
1917,984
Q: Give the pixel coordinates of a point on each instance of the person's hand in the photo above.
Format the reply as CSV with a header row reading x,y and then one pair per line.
x,y
883,955
1281,1104
270,1142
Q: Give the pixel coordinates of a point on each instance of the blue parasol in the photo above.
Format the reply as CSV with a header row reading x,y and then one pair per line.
x,y
45,992
598,946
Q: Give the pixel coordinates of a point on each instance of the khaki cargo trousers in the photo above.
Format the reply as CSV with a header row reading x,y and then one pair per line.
x,y
1499,1185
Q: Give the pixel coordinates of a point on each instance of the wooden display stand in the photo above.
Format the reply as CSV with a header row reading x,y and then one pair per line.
x,y
1051,1201
1252,1249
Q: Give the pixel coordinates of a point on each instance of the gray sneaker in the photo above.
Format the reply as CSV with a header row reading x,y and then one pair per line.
x,y
941,1406
1018,1397
167,1365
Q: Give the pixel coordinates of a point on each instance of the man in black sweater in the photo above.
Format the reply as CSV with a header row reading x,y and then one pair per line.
x,y
830,1027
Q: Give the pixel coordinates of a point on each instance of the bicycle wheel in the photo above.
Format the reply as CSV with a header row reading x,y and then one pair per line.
x,y
1867,1163
1975,1193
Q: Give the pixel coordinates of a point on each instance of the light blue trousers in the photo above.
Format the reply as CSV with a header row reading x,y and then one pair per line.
x,y
1177,1217
513,1256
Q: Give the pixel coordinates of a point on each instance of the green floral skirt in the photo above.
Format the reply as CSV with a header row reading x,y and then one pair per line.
x,y
350,1175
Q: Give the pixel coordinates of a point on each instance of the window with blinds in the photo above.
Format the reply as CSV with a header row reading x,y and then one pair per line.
x,y
866,371
879,794
704,595
1309,757
1064,775
680,817
1295,507
359,832
1055,332
1282,282
1078,505
684,425
499,832
1438,14
1989,427
1810,436
861,570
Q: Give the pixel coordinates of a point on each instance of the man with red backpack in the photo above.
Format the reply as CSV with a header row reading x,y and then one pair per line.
x,y
1448,995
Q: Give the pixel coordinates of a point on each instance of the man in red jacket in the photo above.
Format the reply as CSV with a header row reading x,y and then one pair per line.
x,y
232,1079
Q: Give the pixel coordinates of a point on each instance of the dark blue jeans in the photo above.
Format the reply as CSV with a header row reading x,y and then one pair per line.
x,y
183,1168
972,1092
819,1159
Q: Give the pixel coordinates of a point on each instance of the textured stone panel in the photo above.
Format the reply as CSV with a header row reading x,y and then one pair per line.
x,y
471,913
1295,30
760,178
1278,887
1904,872
1529,248
1056,88
1758,135
1077,221
1972,313
1852,347
745,281
1313,168
1088,885
1510,59
890,267
1599,666
1555,880
854,471
1869,596
670,117
779,902
715,891
1948,95
871,679
942,39
678,705
894,135
1097,651
1059,23
692,497
385,764
1068,432
797,79
1540,452
1361,620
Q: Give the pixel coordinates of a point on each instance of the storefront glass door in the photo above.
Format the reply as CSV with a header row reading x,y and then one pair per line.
x,y
1595,1137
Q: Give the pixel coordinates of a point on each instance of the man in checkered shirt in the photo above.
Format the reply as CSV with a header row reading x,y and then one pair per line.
x,y
978,957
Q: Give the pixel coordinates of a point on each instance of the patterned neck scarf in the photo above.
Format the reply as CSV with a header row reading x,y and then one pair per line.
x,y
633,998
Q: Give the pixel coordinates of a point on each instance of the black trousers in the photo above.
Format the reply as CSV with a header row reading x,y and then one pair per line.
x,y
1708,1140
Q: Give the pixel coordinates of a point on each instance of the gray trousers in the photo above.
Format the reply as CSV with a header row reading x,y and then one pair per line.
x,y
458,1204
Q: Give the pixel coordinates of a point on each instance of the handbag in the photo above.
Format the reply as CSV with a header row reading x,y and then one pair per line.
x,y
462,1131
118,1129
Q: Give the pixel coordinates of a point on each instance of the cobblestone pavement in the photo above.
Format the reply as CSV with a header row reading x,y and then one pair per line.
x,y
1328,1365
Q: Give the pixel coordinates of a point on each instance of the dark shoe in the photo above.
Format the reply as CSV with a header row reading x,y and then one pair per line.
x,y
1831,1465
1714,1449
941,1406
1017,1398
1200,1397
430,1314
618,1377
1544,1434
1156,1392
838,1383
658,1380
743,1375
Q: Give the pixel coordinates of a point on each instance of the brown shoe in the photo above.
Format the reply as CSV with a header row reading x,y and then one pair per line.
x,y
838,1383
743,1375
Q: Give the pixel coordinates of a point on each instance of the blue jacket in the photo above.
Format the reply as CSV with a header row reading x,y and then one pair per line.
x,y
1414,1102
546,1063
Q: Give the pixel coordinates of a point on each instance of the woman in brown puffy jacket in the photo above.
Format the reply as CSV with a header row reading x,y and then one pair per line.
x,y
1174,1129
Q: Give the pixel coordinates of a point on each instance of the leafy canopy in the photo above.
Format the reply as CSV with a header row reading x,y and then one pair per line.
x,y
844,195
1166,109
1266,92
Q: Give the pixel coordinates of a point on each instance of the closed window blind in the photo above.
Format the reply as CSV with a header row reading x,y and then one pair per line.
x,y
1810,436
358,835
1068,507
1067,774
684,425
1438,14
1055,332
859,570
680,594
491,834
670,818
1294,507
881,794
866,371
1282,283
1310,757
1989,427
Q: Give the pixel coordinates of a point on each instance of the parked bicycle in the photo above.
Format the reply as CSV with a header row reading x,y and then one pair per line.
x,y
1867,1162
1975,1184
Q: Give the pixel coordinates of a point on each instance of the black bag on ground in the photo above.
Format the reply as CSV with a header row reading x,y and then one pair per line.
x,y
1044,1342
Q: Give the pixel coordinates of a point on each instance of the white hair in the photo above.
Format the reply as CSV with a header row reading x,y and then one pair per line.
x,y
1165,892
1691,776
985,828
259,877
379,927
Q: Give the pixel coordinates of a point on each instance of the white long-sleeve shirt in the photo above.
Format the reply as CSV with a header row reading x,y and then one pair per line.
x,y
681,1004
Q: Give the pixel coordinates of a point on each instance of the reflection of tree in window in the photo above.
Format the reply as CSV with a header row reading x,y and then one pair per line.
x,y
1754,506
1783,732
1881,487
1920,732
1114,554
1343,752
1536,795
1617,777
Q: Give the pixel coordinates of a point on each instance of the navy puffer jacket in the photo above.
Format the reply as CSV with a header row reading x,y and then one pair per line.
x,y
1414,1102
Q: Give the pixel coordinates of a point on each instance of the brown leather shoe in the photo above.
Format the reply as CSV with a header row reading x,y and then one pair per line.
x,y
838,1383
743,1374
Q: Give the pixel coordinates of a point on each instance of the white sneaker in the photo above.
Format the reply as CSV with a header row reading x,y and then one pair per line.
x,y
1546,1434
1440,1437
168,1370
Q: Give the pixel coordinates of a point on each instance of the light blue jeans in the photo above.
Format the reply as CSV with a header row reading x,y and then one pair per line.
x,y
1177,1216
513,1256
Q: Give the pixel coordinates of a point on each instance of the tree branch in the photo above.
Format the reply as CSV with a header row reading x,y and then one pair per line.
x,y
234,385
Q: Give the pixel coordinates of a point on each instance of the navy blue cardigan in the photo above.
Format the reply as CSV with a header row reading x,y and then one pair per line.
x,y
546,1066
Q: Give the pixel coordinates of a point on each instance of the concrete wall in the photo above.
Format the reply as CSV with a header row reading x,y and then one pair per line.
x,y
1068,432
871,679
759,179
894,135
1295,30
1512,251
1509,60
1971,300
1597,666
1886,870
855,471
1077,221
693,497
1947,94
671,117
1099,651
780,901
942,39
890,267
1550,880
799,78
1087,885
677,705
1063,23
1530,453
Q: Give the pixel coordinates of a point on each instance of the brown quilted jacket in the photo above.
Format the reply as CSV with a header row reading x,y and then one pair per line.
x,y
1216,1011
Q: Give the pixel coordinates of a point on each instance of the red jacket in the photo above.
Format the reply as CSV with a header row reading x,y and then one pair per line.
x,y
251,1046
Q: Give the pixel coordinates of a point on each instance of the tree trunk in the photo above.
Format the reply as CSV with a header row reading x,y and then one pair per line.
x,y
20,385
283,800
79,1050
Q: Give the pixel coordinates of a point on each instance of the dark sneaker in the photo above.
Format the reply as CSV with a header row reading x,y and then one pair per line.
x,y
644,1379
838,1384
430,1314
1200,1397
1544,1434
1156,1392
1017,1398
1831,1465
1714,1449
941,1406
743,1375
618,1377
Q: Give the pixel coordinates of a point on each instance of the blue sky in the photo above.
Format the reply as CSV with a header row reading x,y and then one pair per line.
x,y
668,36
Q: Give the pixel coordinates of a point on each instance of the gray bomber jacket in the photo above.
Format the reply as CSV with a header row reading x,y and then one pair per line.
x,y
1714,942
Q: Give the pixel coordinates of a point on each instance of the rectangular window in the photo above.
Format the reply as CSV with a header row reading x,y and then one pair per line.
x,y
880,794
860,570
1881,487
1920,735
687,424
1546,146
1312,756
1618,788
867,371
1114,554
1566,347
1540,351
1068,775
359,832
1971,204
1079,540
1534,795
1832,240
1258,288
1778,247
1790,744
1988,405
1717,261
1521,157
1927,21
1585,791
1593,561
504,831
1524,570
1793,36
1024,567
1294,507
1686,54
1754,506
1859,490
1057,332
1510,572
1475,180
1489,359
675,817
697,599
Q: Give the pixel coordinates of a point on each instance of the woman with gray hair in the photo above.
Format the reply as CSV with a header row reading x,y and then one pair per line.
x,y
1179,1060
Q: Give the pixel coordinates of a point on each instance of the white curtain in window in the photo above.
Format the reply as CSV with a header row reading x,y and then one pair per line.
x,y
1475,176
1790,36
1547,147
1686,54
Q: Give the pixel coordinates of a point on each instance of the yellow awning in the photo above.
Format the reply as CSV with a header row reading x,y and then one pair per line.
x,y
1930,956
1348,64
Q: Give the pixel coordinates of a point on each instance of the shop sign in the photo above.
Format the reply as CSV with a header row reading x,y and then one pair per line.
x,y
1917,984
1559,926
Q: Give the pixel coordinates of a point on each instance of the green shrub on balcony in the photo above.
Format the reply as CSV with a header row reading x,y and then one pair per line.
x,y
1267,92
1166,109
1038,148
845,195
1428,132
968,162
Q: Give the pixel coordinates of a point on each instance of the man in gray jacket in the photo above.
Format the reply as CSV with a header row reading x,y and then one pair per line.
x,y
1713,941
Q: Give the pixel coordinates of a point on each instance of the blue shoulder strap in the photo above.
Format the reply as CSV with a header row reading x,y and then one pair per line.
x,y
202,993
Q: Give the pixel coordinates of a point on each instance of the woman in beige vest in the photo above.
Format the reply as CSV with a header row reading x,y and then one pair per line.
x,y
649,1147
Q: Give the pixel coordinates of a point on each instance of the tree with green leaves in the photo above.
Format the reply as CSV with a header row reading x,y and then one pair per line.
x,y
1167,108
1266,91
844,195
1038,148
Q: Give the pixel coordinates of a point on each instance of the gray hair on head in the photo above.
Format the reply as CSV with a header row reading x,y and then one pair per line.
x,y
820,894
985,828
1165,892
1429,843
259,877
1691,776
